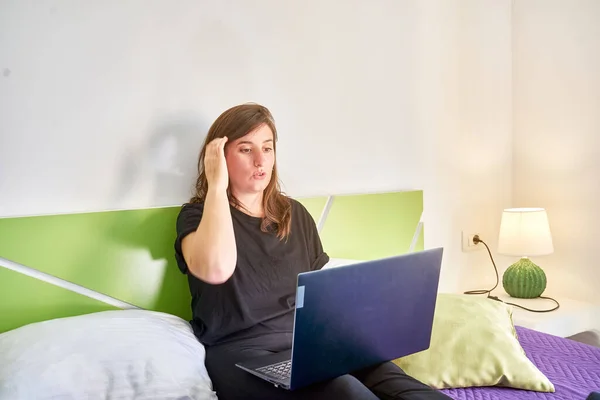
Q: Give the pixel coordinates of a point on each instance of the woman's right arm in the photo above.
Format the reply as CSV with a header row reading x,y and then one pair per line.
x,y
210,252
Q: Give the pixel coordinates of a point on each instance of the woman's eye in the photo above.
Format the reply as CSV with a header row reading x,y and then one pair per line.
x,y
268,149
245,150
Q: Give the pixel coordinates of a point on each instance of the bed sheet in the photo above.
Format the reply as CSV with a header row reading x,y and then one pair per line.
x,y
573,368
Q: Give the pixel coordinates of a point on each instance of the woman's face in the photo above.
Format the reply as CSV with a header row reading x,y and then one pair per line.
x,y
250,160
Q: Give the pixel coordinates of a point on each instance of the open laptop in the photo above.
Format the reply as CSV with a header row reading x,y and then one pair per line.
x,y
354,316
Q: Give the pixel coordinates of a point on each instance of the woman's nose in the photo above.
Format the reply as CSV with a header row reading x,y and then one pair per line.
x,y
259,160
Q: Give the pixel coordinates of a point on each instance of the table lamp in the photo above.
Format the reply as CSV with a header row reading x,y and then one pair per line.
x,y
524,232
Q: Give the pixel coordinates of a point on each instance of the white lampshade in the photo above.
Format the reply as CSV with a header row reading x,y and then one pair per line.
x,y
525,232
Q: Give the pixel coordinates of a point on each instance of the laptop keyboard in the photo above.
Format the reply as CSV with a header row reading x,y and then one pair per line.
x,y
279,370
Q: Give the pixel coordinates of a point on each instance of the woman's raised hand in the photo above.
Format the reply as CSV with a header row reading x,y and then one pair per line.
x,y
215,165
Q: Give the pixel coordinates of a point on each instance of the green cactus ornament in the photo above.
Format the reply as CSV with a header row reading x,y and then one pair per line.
x,y
524,279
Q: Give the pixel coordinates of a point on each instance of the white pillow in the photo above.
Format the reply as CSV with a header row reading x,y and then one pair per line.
x,y
128,354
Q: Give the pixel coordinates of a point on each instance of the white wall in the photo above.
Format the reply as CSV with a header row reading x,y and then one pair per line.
x,y
466,112
105,105
557,133
464,105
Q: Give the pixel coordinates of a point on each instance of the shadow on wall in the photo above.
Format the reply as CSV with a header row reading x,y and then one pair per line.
x,y
142,247
161,172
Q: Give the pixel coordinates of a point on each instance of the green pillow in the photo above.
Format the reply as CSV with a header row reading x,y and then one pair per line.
x,y
474,343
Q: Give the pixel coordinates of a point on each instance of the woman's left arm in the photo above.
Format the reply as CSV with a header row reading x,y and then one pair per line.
x,y
317,254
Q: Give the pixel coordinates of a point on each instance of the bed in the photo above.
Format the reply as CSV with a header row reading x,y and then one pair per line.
x,y
573,368
93,306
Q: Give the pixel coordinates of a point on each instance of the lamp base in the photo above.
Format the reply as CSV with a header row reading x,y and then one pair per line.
x,y
524,279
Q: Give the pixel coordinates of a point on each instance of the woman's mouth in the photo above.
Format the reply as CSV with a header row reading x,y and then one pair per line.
x,y
259,175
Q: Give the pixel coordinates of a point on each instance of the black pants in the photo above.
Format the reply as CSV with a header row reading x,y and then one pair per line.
x,y
385,381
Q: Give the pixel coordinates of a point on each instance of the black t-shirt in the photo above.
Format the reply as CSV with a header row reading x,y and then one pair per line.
x,y
259,298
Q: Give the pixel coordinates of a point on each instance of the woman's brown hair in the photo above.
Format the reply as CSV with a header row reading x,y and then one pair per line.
x,y
235,123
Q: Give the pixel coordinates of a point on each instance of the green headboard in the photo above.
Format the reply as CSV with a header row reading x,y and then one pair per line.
x,y
129,256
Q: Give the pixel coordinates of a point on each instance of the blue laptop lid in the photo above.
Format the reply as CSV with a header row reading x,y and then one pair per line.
x,y
351,317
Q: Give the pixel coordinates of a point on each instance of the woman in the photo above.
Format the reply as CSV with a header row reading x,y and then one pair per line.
x,y
242,243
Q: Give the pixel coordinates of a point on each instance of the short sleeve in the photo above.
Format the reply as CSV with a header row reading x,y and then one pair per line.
x,y
318,256
320,261
187,222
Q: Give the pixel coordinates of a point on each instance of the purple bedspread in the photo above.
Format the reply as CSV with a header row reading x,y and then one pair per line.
x,y
573,368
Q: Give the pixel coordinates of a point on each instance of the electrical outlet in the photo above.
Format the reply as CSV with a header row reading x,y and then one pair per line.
x,y
467,241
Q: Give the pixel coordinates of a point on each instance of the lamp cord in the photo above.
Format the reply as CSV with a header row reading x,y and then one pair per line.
x,y
477,239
